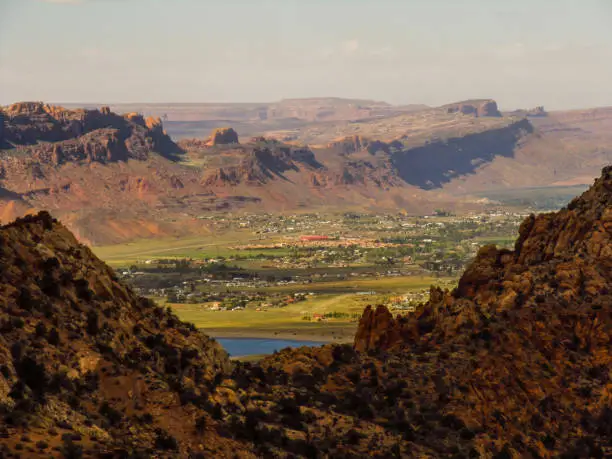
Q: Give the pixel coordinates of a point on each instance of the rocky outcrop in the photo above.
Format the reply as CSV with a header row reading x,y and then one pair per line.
x,y
356,143
30,126
485,107
223,136
81,354
41,140
523,341
377,330
263,163
562,258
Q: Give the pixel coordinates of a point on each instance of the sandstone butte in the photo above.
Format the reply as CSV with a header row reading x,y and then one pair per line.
x,y
485,107
515,362
223,136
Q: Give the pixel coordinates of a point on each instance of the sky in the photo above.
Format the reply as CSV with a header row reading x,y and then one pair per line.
x,y
522,53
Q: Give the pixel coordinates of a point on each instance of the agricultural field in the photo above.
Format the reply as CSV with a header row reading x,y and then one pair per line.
x,y
204,246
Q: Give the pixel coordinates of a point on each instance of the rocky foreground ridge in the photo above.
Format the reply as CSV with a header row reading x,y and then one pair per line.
x,y
522,346
562,258
88,367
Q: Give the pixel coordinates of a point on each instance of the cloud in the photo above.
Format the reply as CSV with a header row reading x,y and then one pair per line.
x,y
351,46
511,51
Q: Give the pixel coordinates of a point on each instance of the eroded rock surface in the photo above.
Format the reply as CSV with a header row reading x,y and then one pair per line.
x,y
485,107
223,136
86,364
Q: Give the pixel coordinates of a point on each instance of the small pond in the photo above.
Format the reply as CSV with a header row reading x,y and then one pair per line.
x,y
239,347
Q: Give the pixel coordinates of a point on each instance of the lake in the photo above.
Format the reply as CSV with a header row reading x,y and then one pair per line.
x,y
239,347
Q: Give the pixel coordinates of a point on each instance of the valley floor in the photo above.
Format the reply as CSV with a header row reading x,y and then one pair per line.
x,y
304,277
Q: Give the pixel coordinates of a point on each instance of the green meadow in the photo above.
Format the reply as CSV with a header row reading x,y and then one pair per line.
x,y
341,298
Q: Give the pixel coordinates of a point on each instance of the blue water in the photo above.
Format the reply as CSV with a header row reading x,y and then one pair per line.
x,y
238,347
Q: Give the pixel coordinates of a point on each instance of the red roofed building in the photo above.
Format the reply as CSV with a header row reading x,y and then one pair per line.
x,y
313,238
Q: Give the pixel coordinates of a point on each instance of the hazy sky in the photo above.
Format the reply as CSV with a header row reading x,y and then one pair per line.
x,y
523,53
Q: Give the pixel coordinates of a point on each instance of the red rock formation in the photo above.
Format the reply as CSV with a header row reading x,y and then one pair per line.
x,y
261,164
95,135
476,108
377,330
348,145
223,136
380,174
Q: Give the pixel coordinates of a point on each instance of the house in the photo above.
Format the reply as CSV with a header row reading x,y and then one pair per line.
x,y
313,238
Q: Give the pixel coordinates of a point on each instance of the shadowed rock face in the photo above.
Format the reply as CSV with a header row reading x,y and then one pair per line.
x,y
431,166
262,163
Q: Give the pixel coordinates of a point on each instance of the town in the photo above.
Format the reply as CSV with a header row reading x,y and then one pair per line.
x,y
313,268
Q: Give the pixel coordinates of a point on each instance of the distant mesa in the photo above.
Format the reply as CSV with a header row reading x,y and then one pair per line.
x,y
223,136
538,111
484,107
533,112
262,139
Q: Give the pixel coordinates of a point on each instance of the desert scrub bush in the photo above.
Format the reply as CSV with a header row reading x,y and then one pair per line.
x,y
112,415
165,441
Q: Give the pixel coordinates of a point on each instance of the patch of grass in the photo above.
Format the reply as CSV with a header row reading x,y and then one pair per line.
x,y
339,297
202,246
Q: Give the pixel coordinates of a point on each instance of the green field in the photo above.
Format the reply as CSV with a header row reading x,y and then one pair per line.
x,y
288,321
496,240
202,246
540,198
